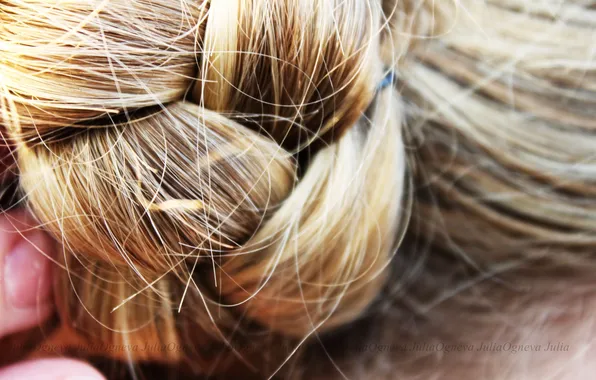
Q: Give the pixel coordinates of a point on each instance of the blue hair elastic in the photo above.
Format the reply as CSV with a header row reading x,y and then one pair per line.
x,y
387,81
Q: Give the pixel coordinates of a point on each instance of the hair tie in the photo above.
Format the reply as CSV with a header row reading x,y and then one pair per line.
x,y
388,80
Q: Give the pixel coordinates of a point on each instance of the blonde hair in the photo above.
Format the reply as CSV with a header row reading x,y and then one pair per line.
x,y
230,171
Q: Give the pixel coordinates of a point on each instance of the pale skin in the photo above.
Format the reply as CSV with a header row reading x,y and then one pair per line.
x,y
25,295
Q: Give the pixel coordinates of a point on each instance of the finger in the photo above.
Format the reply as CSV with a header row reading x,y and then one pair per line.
x,y
50,369
25,283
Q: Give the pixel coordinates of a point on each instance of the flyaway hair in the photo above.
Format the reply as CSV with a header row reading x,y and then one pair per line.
x,y
224,174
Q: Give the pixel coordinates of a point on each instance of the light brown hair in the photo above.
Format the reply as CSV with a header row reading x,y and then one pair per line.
x,y
229,172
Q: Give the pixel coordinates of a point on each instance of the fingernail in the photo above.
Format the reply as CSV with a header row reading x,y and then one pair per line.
x,y
27,272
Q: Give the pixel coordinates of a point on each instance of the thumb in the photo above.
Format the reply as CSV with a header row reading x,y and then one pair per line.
x,y
25,283
50,369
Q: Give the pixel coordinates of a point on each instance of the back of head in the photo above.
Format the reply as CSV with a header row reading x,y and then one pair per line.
x,y
232,180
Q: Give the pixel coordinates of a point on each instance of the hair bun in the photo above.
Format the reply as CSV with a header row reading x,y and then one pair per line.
x,y
196,206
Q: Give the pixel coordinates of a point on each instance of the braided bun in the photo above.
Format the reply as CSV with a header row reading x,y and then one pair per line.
x,y
161,142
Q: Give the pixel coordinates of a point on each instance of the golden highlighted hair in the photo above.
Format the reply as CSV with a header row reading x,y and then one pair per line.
x,y
227,172
159,141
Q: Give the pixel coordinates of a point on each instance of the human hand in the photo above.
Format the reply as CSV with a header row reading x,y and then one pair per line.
x,y
25,290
